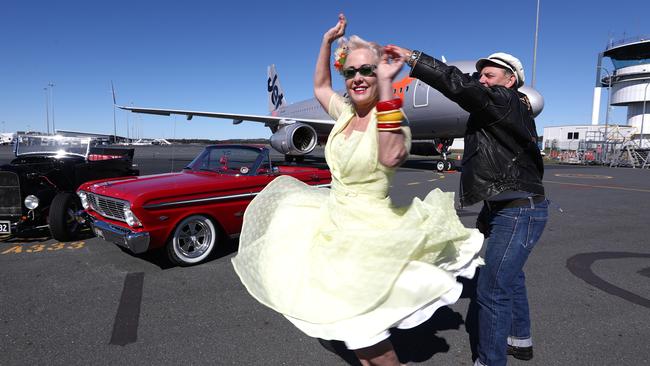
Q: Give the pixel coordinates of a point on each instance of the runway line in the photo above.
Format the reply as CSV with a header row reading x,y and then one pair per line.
x,y
602,187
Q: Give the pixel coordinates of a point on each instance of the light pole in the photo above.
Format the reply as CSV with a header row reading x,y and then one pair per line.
x,y
645,91
51,85
532,84
114,120
114,126
609,102
47,109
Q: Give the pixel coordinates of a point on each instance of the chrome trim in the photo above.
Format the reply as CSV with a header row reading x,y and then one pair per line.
x,y
136,242
200,200
215,199
109,207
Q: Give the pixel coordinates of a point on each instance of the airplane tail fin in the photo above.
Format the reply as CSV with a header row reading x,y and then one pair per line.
x,y
276,95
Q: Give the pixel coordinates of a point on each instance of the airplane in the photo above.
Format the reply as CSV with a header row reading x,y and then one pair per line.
x,y
297,128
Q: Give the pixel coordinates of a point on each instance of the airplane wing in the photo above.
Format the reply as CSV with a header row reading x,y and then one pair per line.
x,y
268,121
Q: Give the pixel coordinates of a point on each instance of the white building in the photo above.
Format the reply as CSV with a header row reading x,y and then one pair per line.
x,y
585,137
628,82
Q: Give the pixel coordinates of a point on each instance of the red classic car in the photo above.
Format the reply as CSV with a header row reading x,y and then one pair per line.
x,y
190,211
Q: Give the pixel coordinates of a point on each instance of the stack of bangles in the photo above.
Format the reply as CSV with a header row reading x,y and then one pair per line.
x,y
389,115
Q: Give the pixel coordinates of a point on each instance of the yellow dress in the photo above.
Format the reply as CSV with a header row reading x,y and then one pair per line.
x,y
345,263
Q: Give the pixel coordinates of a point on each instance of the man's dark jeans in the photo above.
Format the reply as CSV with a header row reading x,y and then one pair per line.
x,y
501,289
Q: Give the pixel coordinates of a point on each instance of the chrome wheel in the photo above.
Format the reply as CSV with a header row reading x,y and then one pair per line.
x,y
440,166
193,240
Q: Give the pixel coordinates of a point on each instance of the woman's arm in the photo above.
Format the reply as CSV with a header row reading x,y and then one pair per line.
x,y
322,76
392,150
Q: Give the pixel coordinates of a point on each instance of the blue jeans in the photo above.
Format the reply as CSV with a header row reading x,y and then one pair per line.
x,y
501,289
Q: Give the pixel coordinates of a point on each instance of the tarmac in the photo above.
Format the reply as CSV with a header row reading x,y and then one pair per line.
x,y
89,302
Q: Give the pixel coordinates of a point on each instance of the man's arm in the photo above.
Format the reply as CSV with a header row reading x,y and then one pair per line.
x,y
451,82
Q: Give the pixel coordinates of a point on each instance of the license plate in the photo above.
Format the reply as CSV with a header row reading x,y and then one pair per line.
x,y
5,227
99,233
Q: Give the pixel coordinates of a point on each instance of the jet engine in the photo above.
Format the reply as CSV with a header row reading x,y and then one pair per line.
x,y
294,139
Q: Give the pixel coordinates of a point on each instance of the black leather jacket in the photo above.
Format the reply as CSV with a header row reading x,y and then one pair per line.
x,y
501,152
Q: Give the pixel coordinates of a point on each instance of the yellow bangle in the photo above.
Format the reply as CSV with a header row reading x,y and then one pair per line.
x,y
390,115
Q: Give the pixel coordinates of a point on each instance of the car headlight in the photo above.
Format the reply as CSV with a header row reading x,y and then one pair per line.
x,y
31,202
84,199
130,218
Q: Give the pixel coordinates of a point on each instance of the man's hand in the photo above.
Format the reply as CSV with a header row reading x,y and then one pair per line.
x,y
483,222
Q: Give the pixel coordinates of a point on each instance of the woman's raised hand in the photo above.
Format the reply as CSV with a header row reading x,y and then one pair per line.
x,y
390,64
404,53
337,31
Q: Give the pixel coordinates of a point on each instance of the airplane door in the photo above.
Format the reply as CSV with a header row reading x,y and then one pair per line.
x,y
421,94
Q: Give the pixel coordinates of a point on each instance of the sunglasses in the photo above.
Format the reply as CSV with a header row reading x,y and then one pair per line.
x,y
364,70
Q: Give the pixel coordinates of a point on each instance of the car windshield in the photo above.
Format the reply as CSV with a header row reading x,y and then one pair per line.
x,y
58,145
237,160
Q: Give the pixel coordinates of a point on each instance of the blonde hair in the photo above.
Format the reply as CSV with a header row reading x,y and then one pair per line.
x,y
355,43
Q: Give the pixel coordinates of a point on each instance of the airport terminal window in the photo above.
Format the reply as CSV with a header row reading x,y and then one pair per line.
x,y
619,64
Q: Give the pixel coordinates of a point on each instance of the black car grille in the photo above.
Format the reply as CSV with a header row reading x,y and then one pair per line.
x,y
9,194
108,207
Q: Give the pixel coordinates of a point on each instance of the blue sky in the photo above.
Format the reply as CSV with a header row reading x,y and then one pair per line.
x,y
212,56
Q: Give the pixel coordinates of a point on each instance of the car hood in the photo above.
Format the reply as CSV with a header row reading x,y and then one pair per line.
x,y
161,186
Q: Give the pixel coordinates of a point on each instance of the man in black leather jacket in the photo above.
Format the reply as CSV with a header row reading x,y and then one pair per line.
x,y
503,167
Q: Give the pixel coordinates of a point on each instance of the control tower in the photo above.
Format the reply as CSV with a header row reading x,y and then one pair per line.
x,y
628,82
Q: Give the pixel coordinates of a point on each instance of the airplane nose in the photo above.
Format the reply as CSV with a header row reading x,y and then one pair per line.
x,y
536,99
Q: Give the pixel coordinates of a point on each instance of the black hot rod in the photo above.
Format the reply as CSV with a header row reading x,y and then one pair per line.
x,y
37,187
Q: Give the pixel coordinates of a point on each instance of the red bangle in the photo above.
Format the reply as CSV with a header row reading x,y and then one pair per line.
x,y
388,125
388,105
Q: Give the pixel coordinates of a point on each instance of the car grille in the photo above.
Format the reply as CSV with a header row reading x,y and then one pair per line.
x,y
108,207
9,194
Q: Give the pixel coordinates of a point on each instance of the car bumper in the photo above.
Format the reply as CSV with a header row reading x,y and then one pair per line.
x,y
136,242
22,225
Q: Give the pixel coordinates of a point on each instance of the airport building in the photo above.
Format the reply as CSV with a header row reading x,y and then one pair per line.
x,y
585,144
627,85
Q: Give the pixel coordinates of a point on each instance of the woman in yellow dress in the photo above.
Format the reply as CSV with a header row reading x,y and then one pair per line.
x,y
345,264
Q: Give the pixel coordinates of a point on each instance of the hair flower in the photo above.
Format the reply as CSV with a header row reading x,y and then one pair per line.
x,y
339,56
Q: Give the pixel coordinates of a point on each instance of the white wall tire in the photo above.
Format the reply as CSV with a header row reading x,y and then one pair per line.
x,y
192,241
440,166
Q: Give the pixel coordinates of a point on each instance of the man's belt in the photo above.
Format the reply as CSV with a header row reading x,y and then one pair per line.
x,y
516,203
